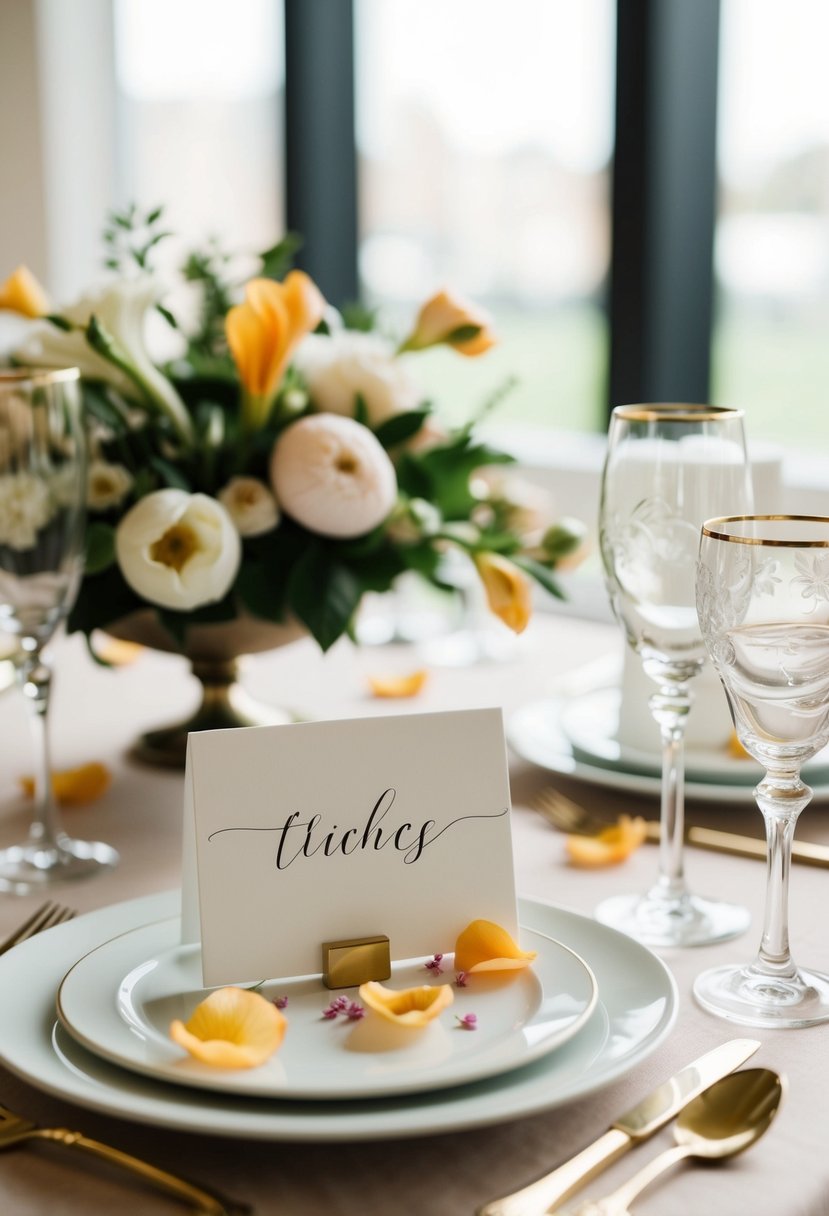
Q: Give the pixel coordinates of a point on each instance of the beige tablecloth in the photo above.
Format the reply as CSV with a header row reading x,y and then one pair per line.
x,y
97,714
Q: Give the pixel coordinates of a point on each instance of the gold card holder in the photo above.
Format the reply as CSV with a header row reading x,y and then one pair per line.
x,y
354,961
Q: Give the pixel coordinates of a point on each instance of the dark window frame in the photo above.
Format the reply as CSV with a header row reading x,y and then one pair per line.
x,y
663,201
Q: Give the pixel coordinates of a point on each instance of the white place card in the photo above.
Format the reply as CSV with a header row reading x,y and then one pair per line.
x,y
301,834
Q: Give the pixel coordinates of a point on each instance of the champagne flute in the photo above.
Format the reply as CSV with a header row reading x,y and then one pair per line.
x,y
42,498
763,601
666,467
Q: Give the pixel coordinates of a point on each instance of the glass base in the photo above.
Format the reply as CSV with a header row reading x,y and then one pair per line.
x,y
34,867
747,996
660,922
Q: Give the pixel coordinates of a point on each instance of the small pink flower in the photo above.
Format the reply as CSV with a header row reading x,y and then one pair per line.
x,y
354,1012
281,1002
434,964
330,1012
469,1021
460,979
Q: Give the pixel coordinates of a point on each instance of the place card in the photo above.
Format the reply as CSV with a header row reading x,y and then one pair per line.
x,y
313,832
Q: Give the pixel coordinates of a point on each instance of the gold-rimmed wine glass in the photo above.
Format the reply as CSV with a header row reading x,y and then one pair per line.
x,y
42,500
763,602
666,468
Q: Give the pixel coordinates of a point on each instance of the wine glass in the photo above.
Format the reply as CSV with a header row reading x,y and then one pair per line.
x,y
42,498
666,467
763,601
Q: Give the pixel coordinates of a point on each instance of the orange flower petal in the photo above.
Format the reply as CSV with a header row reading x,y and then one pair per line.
x,y
450,319
22,293
485,946
115,650
398,686
74,786
610,847
735,748
410,1007
231,1028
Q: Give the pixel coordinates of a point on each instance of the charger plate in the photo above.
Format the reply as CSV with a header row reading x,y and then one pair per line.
x,y
636,1010
119,1001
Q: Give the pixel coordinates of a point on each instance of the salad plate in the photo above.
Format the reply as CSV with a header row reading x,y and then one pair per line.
x,y
118,1001
636,1010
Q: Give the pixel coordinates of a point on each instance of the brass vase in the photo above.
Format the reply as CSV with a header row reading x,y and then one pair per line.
x,y
213,652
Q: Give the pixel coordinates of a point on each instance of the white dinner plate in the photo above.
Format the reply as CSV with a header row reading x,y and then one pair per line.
x,y
590,724
535,733
119,1000
635,1011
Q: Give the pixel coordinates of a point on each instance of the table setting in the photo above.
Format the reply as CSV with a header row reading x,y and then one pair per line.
x,y
355,960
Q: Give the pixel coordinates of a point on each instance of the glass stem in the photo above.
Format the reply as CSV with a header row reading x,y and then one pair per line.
x,y
670,707
781,797
36,681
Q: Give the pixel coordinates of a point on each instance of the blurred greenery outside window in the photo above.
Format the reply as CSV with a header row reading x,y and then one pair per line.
x,y
770,347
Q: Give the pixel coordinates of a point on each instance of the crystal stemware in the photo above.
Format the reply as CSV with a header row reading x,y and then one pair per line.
x,y
42,498
763,601
666,468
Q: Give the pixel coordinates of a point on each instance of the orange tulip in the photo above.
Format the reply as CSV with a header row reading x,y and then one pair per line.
x,y
485,946
450,320
74,786
22,293
263,333
507,590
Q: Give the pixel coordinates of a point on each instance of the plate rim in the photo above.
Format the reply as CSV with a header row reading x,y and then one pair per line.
x,y
558,757
30,1048
209,1080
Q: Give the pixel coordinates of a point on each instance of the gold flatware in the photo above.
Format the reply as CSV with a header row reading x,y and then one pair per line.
x,y
14,1130
726,1119
634,1126
45,917
568,816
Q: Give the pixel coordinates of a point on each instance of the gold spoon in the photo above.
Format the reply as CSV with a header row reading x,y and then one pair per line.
x,y
725,1119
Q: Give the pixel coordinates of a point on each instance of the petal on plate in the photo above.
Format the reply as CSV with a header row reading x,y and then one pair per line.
x,y
410,1007
231,1028
485,946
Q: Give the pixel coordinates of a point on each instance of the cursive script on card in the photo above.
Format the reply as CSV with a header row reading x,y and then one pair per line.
x,y
297,837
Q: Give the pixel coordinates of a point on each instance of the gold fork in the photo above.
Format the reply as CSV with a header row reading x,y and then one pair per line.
x,y
14,1130
45,917
570,817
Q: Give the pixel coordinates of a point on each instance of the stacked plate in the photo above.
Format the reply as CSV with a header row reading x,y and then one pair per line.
x,y
94,999
578,737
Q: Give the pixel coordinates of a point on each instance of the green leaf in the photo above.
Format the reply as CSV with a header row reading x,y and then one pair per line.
x,y
167,315
99,406
400,427
100,547
357,316
360,410
154,215
144,483
169,473
58,321
463,333
441,475
323,593
102,599
541,575
278,260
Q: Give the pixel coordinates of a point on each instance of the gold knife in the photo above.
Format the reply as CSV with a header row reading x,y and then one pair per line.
x,y
635,1125
803,851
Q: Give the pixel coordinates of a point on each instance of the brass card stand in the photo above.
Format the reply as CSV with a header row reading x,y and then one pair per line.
x,y
354,961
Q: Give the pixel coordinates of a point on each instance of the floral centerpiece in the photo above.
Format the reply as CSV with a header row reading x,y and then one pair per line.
x,y
284,463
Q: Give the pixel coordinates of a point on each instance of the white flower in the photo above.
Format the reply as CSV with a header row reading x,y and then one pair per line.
x,y
338,366
106,485
25,507
333,476
250,505
178,550
121,308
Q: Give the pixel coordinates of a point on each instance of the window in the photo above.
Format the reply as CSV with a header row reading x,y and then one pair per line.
x,y
772,240
484,134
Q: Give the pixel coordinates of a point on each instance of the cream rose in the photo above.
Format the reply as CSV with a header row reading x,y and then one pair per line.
x,y
178,550
106,485
332,475
250,505
338,366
